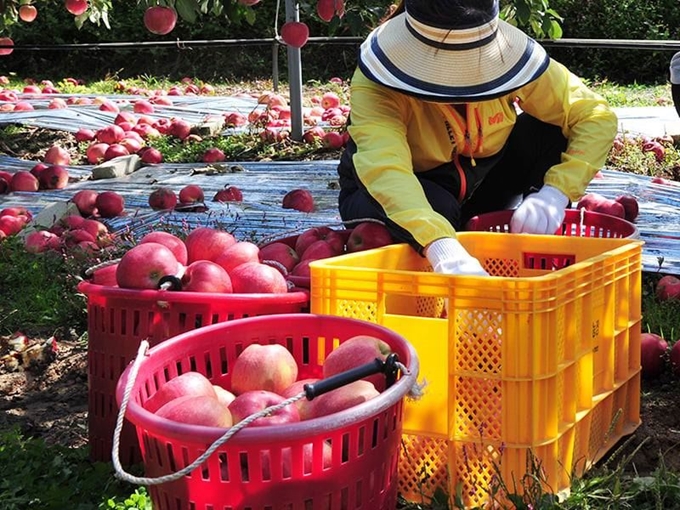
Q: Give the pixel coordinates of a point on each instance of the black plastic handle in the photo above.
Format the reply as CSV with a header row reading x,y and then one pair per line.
x,y
388,367
175,283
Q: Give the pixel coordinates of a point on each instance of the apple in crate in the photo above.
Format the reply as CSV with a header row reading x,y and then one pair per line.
x,y
295,389
206,276
281,253
237,254
251,402
192,384
268,367
197,410
354,352
176,245
345,397
206,243
257,278
225,397
630,205
368,235
142,266
652,359
668,287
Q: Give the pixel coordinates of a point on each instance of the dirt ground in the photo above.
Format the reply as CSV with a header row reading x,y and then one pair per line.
x,y
51,403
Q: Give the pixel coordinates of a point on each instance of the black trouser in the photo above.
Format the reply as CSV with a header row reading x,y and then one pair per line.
x,y
675,93
495,183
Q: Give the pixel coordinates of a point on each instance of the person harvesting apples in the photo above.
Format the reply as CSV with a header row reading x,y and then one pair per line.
x,y
455,113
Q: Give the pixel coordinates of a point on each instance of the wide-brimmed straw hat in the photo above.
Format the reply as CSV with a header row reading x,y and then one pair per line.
x,y
451,51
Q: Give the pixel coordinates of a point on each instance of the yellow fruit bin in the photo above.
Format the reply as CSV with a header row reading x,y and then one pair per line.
x,y
524,363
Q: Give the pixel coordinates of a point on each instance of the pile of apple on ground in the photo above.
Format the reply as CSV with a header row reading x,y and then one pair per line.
x,y
267,375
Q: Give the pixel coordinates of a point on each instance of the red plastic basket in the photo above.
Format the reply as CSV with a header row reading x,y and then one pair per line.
x,y
577,222
364,441
118,319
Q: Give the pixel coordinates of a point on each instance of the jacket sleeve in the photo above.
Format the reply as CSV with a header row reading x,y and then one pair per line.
x,y
560,98
383,160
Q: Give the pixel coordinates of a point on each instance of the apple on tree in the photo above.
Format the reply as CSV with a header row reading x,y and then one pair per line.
x,y
295,33
160,20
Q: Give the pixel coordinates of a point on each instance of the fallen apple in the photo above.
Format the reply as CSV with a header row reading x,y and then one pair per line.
x,y
191,194
668,287
268,367
162,199
110,204
228,194
653,351
299,199
38,241
57,155
675,357
23,180
54,177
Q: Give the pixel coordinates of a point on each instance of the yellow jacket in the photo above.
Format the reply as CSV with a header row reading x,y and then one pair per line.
x,y
397,135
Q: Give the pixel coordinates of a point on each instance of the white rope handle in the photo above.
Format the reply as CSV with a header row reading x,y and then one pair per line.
x,y
142,480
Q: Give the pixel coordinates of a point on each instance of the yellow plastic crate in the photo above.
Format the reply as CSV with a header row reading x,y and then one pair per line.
x,y
519,364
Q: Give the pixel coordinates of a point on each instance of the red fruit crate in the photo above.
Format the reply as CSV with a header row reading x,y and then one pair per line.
x,y
579,223
344,460
119,319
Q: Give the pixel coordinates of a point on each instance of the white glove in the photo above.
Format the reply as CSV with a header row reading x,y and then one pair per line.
x,y
448,256
675,69
540,213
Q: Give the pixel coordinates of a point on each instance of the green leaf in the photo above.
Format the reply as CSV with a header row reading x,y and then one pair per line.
x,y
187,10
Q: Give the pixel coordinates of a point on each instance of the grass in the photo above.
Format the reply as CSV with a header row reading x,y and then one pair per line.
x,y
37,475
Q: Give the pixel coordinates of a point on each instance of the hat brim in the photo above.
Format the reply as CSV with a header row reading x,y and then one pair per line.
x,y
393,56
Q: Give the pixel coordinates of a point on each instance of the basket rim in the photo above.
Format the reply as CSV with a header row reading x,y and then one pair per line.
x,y
251,435
93,289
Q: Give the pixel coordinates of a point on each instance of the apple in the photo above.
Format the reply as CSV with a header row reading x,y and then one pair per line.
x,y
152,156
131,144
180,128
160,20
330,100
84,135
255,277
105,276
310,236
191,194
23,180
38,241
295,389
95,152
345,397
237,254
213,155
110,134
11,225
6,41
675,357
313,134
28,13
197,410
333,140
115,150
206,276
73,237
125,118
368,235
251,402
319,250
356,351
142,266
630,206
660,180
162,199
600,204
86,201
268,367
225,397
56,155
97,230
298,199
18,210
280,252
143,106
206,243
54,177
228,194
76,7
171,241
295,33
653,349
668,287
302,269
110,204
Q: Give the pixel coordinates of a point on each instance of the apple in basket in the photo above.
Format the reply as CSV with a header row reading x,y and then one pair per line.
x,y
354,352
268,367
295,389
630,205
368,235
176,245
281,253
320,250
257,278
206,243
197,410
192,384
142,266
237,254
252,402
225,397
206,276
310,236
345,397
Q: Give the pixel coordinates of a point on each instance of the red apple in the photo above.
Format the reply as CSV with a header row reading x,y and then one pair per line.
x,y
237,254
255,277
197,410
268,367
18,210
213,155
345,397
171,241
652,359
6,41
142,266
28,13
191,194
228,194
56,155
598,203
187,384
225,397
295,33
319,250
86,201
143,106
160,20
24,181
39,241
298,199
110,134
333,140
105,276
660,180
95,152
206,276
84,135
295,389
354,352
281,253
205,243
302,269
54,177
368,235
115,150
251,402
97,230
668,287
630,206
152,156
11,225
76,7
162,199
179,128
110,204
330,100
